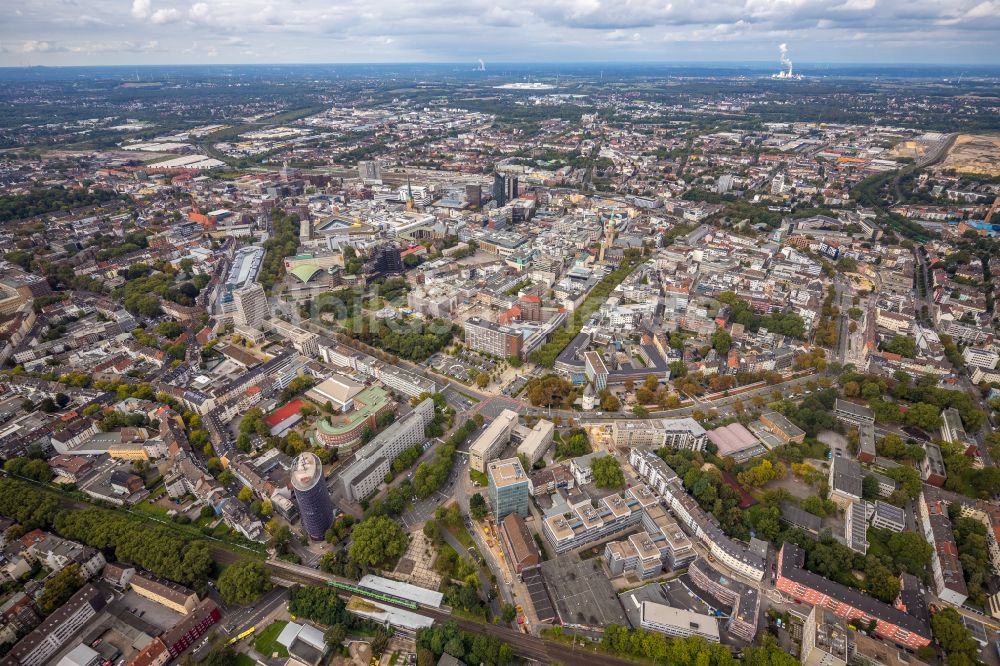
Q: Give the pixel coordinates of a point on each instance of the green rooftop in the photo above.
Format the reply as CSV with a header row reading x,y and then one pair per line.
x,y
366,404
306,272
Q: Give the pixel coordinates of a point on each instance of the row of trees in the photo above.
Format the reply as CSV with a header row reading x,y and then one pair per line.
x,y
574,445
478,648
546,355
789,324
417,341
972,542
551,391
324,606
30,468
954,638
141,293
283,243
430,476
60,587
762,473
39,201
828,328
319,604
879,392
906,551
690,651
243,582
377,541
607,472
152,547
814,413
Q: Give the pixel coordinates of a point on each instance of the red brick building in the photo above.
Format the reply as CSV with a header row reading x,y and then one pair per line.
x,y
191,627
892,624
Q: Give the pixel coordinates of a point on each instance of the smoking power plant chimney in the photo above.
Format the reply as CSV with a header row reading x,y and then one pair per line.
x,y
786,62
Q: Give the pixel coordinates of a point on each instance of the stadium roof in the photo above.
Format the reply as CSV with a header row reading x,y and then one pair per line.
x,y
306,272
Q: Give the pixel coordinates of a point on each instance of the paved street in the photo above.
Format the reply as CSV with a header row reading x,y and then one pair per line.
x,y
241,619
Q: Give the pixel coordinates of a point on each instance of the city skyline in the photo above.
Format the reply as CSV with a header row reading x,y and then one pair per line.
x,y
148,32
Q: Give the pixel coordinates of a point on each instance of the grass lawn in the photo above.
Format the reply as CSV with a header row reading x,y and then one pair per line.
x,y
151,509
266,642
244,660
204,522
462,534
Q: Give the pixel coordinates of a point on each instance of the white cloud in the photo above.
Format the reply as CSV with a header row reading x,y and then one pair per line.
x,y
622,36
529,30
198,11
36,46
141,8
161,16
985,10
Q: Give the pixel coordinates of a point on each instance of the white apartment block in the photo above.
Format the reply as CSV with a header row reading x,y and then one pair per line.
x,y
683,433
677,621
980,375
537,441
663,480
405,382
980,357
893,321
374,460
493,441
304,342
888,517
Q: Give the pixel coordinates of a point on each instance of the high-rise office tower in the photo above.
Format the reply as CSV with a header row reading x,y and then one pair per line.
x,y
312,495
387,259
474,194
511,191
508,488
499,190
251,306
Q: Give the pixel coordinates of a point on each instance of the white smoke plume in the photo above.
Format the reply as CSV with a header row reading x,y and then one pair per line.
x,y
482,65
784,55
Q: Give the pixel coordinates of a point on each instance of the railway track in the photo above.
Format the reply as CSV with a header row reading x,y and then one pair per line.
x,y
524,645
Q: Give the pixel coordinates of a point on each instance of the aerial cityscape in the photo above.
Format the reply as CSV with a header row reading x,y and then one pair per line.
x,y
435,359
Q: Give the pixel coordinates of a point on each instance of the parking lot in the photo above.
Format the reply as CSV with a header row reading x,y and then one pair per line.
x,y
155,614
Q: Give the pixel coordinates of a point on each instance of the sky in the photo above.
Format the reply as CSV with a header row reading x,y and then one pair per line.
x,y
138,32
